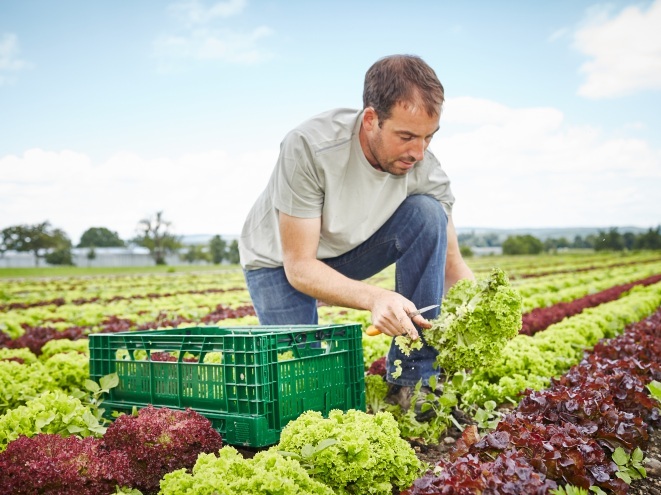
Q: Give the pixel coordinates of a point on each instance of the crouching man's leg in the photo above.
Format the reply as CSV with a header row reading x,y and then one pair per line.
x,y
419,276
415,238
276,301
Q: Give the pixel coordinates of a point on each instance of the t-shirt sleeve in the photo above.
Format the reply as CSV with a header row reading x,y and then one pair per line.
x,y
429,178
298,189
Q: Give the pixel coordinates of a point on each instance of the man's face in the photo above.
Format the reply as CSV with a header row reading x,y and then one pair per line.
x,y
400,141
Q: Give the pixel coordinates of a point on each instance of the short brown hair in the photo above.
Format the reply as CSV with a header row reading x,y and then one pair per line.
x,y
402,78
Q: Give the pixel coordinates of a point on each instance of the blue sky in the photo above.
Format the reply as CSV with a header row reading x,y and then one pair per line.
x,y
111,111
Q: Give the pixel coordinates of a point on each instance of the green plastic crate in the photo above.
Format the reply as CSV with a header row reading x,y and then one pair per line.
x,y
249,381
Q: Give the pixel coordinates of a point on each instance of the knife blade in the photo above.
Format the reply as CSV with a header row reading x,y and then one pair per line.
x,y
423,310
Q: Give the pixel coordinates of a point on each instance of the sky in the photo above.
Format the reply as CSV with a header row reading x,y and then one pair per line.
x,y
111,111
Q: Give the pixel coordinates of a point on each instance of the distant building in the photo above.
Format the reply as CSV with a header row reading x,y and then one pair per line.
x,y
103,257
487,250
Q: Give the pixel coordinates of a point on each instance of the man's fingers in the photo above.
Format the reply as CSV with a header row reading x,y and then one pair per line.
x,y
421,321
408,328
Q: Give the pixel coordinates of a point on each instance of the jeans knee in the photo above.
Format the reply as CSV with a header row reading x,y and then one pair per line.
x,y
428,213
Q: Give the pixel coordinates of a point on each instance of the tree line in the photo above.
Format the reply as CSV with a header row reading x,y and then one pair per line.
x,y
603,240
54,246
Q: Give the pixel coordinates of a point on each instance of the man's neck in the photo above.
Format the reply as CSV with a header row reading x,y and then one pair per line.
x,y
364,145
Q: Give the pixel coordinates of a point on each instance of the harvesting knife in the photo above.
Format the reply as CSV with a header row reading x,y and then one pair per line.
x,y
372,330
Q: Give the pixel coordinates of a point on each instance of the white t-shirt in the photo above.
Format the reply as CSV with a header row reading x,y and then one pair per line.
x,y
322,172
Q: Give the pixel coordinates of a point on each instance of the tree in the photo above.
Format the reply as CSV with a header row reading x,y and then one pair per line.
x,y
195,253
629,240
233,252
91,255
609,241
217,249
154,234
649,240
580,243
552,244
100,237
38,239
522,244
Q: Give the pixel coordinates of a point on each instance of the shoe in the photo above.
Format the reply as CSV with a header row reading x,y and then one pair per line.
x,y
402,396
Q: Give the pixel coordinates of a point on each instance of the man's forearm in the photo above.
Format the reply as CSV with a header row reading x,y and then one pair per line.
x,y
318,280
456,270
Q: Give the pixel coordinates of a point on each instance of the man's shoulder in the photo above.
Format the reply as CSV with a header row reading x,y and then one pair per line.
x,y
327,129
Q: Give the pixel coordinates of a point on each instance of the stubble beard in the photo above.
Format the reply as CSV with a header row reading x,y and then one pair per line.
x,y
388,166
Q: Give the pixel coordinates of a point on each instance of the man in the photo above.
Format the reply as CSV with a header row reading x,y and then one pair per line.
x,y
354,191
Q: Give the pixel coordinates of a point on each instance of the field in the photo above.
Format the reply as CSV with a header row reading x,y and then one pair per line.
x,y
588,353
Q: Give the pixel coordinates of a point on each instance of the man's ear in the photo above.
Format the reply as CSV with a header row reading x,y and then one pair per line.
x,y
370,119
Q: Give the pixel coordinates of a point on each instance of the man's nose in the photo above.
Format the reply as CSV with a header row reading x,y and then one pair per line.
x,y
417,149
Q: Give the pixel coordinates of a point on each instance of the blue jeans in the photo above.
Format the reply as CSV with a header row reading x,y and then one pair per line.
x,y
415,238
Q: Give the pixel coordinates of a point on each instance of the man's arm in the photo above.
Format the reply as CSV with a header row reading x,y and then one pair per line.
x,y
300,241
455,266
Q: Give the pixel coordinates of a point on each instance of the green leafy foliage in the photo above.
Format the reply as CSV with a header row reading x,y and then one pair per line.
x,y
477,319
577,490
630,465
95,393
308,454
56,346
21,355
440,403
228,473
529,362
486,417
50,412
69,370
22,382
122,490
655,389
369,456
376,389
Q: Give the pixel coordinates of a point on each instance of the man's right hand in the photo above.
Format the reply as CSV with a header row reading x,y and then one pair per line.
x,y
390,314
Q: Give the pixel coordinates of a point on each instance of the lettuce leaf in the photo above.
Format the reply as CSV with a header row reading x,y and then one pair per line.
x,y
477,319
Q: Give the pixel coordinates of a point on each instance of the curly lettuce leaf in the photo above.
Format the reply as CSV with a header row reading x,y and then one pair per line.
x,y
477,319
369,455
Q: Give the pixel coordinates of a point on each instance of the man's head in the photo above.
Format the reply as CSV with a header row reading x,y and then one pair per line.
x,y
402,107
402,79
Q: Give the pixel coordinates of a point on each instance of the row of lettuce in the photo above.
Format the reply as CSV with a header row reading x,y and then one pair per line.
x,y
525,362
50,399
587,431
150,308
25,292
57,440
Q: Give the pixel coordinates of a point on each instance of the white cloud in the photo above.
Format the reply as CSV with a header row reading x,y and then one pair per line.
x,y
201,193
624,52
205,44
201,38
194,12
509,168
9,59
528,167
